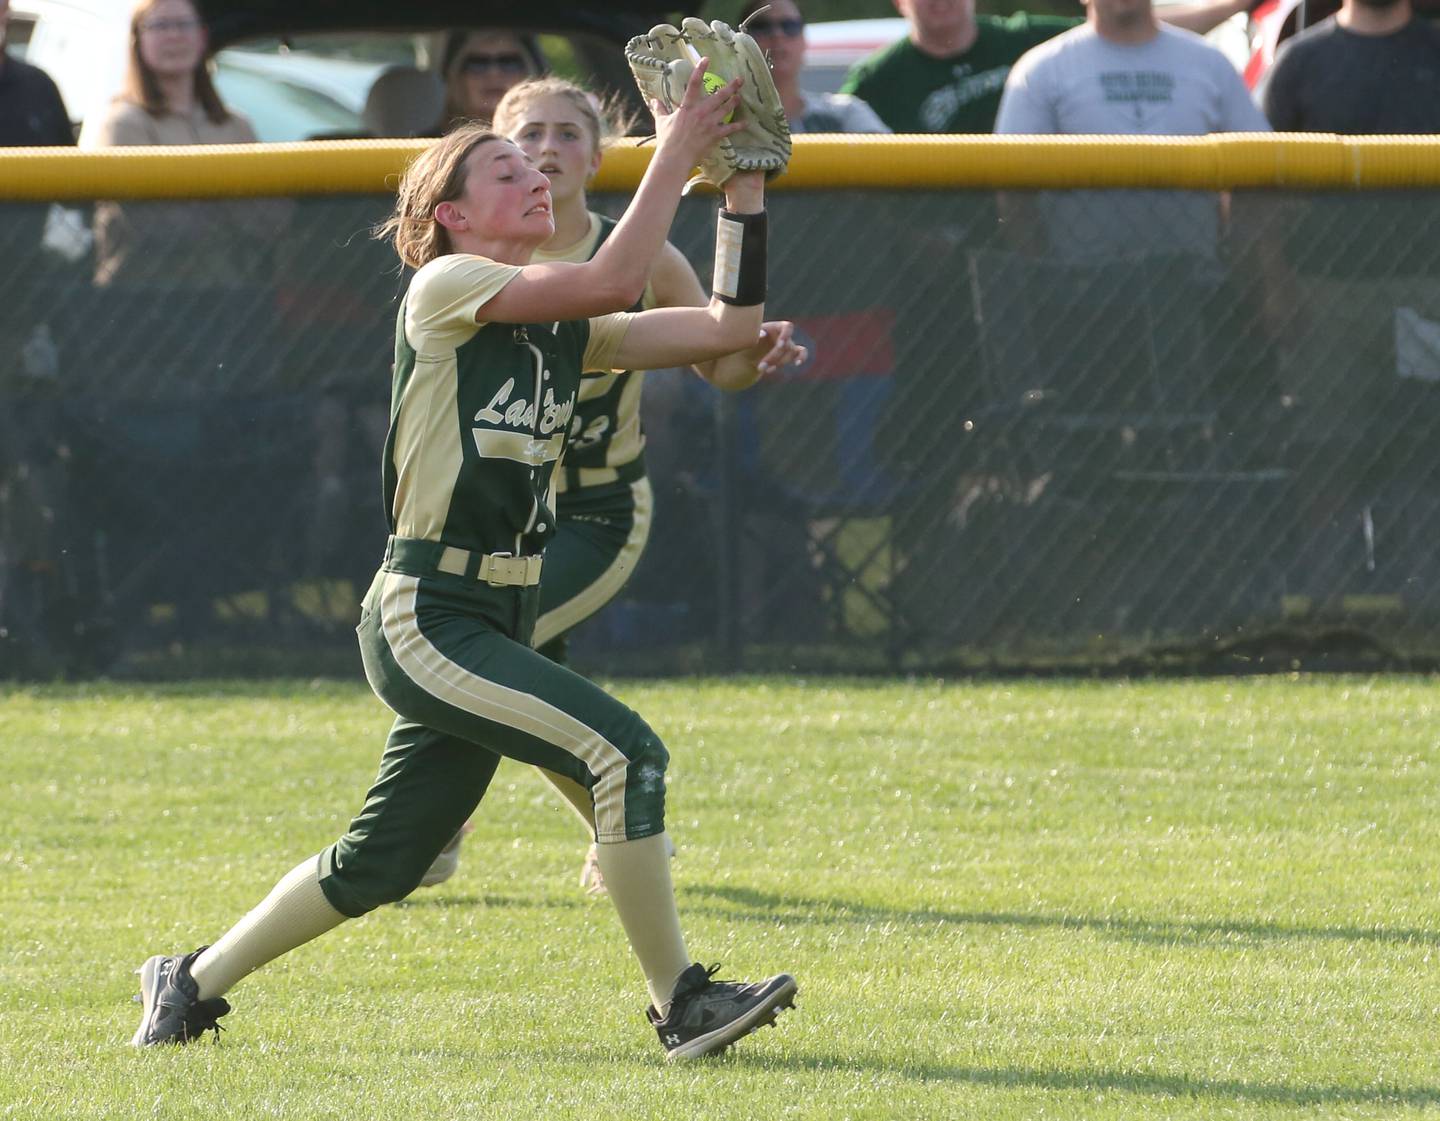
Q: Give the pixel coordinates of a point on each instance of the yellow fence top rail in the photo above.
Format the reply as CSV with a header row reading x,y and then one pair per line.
x,y
1316,161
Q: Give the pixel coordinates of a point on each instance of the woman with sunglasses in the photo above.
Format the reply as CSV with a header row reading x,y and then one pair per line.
x,y
604,502
779,29
490,350
479,67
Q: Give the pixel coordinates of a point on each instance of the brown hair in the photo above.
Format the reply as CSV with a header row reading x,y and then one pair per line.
x,y
143,88
606,118
436,175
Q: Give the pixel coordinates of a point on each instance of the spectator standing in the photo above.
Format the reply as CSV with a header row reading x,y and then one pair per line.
x,y
32,113
1125,73
1148,261
1360,293
1374,68
948,73
169,98
32,451
185,322
779,30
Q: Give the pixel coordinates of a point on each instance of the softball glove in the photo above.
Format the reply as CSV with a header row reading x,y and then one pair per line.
x,y
662,64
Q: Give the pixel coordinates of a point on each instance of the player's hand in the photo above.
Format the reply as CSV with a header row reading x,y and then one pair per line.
x,y
700,121
777,347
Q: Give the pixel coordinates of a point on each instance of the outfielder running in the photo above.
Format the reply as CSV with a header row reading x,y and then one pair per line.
x,y
489,354
604,501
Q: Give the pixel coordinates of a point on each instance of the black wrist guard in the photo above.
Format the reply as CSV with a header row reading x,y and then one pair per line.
x,y
740,250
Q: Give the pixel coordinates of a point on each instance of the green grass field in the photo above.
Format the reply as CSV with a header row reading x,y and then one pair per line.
x,y
1213,898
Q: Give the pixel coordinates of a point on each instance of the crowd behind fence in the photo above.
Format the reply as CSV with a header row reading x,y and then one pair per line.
x,y
1038,429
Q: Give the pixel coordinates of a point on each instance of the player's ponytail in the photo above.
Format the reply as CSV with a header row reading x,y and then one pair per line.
x,y
437,175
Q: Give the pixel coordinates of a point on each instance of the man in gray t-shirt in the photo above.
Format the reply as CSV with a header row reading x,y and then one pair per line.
x,y
1125,73
1083,82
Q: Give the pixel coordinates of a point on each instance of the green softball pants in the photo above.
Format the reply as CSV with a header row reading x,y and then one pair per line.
x,y
600,534
451,657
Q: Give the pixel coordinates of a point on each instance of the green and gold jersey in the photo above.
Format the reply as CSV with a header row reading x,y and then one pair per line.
x,y
480,412
605,432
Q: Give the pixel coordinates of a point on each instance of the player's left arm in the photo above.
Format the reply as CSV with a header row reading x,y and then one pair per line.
x,y
733,321
675,285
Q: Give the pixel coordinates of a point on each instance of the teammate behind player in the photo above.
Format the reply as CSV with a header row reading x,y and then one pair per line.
x,y
489,353
603,509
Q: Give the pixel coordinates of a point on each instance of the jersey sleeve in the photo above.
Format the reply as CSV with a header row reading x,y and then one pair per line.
x,y
607,332
445,297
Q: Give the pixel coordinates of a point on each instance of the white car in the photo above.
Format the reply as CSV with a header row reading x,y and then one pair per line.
x,y
81,45
303,68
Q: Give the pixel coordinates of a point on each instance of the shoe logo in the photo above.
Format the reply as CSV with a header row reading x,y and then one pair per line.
x,y
672,1040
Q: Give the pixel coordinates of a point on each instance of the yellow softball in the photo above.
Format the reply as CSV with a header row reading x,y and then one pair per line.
x,y
712,83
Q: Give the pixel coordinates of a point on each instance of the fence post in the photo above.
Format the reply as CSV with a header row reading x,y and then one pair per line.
x,y
732,530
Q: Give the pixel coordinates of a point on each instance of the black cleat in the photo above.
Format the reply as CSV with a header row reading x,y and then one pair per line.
x,y
707,1016
174,1012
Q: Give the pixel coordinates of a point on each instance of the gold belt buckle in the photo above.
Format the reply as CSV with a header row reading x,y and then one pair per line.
x,y
495,570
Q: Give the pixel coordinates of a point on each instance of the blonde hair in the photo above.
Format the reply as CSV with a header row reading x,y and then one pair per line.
x,y
606,118
142,87
437,175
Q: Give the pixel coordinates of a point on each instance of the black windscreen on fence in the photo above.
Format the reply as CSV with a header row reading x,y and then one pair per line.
x,y
1037,430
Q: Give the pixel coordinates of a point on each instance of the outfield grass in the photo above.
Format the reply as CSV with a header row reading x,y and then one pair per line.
x,y
1060,900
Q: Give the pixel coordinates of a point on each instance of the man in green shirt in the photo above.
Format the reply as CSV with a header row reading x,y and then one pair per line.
x,y
948,73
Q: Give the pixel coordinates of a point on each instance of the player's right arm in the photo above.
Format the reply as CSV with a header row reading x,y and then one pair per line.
x,y
615,277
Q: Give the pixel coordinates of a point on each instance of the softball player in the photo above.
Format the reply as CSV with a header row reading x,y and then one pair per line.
x,y
604,502
489,354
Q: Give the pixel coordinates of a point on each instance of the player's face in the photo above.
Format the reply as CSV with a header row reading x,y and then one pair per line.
x,y
556,136
487,66
506,198
172,38
780,33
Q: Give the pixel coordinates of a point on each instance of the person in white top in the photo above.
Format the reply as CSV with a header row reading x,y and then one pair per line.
x,y
779,29
1125,73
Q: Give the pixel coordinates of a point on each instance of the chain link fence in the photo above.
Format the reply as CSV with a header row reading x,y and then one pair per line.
x,y
1071,430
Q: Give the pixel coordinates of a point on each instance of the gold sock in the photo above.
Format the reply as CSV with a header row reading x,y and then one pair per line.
x,y
294,912
637,874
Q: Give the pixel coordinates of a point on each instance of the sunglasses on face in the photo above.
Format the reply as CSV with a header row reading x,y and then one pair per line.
x,y
477,65
790,28
161,26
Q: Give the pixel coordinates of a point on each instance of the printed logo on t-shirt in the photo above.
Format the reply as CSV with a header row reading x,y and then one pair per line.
x,y
1139,93
937,110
